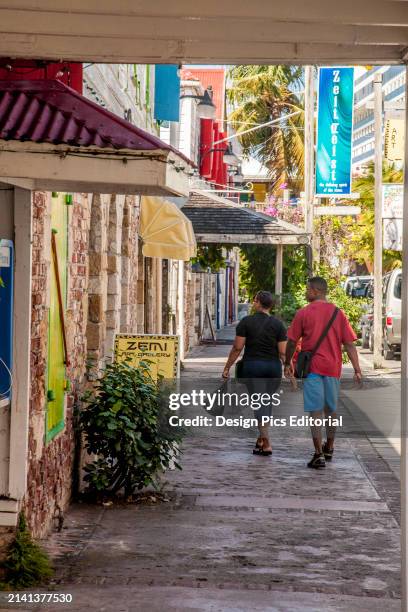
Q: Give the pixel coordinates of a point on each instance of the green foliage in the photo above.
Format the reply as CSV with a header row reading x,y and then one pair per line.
x,y
259,94
26,564
2,282
290,304
360,242
210,256
352,307
257,270
124,423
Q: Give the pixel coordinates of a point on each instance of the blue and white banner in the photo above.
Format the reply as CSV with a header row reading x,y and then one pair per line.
x,y
334,131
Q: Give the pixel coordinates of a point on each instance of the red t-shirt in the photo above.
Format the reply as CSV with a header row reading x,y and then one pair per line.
x,y
309,324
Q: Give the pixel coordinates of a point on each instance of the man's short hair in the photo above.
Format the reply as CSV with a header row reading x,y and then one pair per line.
x,y
265,298
318,284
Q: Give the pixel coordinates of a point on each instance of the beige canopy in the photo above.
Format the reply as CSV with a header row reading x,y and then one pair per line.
x,y
165,230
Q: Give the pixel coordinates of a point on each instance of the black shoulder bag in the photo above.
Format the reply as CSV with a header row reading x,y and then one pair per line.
x,y
304,359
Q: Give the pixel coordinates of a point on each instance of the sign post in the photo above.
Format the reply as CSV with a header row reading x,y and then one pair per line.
x,y
334,131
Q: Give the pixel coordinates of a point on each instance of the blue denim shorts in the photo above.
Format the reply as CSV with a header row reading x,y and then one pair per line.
x,y
320,392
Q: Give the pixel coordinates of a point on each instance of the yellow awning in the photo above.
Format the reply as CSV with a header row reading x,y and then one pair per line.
x,y
165,230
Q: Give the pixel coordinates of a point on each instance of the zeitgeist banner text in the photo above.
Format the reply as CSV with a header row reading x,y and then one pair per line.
x,y
334,131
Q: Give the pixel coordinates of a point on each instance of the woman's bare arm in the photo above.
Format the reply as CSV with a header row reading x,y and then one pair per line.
x,y
235,352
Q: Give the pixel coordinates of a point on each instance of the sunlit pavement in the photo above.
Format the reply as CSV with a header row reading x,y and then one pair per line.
x,y
240,532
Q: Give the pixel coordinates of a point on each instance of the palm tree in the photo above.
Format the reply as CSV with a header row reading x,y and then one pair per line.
x,y
257,95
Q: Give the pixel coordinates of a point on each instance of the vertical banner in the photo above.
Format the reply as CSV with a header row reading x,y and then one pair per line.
x,y
334,131
166,93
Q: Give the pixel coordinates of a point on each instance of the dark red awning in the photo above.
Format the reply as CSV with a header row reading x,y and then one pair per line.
x,y
49,111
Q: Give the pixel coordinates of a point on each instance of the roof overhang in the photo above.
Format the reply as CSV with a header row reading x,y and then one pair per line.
x,y
228,32
42,166
218,220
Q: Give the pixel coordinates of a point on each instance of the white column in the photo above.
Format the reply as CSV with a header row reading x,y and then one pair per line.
x,y
377,358
19,418
278,269
404,376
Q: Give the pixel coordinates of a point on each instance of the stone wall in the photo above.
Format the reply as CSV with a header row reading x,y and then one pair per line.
x,y
111,287
50,466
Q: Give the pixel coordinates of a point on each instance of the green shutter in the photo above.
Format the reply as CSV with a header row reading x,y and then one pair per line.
x,y
55,396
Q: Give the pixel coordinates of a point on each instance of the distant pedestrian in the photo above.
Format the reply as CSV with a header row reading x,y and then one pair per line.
x,y
264,339
324,330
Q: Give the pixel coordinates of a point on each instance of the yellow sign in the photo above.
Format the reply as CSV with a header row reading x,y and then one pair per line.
x,y
394,140
161,351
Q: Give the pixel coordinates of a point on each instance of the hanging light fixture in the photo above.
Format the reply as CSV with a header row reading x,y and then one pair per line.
x,y
229,156
206,107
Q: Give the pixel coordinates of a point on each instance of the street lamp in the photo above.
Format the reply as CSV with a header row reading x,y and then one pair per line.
x,y
206,107
229,156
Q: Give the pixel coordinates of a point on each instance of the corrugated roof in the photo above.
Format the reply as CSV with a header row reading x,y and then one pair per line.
x,y
214,77
49,111
212,215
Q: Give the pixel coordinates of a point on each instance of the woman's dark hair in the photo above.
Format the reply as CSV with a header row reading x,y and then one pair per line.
x,y
265,298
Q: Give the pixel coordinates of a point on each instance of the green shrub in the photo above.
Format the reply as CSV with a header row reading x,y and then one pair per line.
x,y
124,422
26,564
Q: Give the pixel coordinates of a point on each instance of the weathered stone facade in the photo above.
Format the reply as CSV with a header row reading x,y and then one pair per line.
x,y
50,466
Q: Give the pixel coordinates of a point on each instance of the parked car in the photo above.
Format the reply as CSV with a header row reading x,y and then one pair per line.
x,y
355,286
392,285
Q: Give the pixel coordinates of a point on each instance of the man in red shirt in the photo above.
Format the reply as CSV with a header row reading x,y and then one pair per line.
x,y
321,386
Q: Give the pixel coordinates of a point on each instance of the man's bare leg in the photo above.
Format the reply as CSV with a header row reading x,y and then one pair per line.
x,y
330,429
316,432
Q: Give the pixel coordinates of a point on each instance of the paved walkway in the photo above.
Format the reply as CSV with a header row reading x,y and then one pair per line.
x,y
242,533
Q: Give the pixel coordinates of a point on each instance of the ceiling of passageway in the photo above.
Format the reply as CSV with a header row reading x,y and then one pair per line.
x,y
206,31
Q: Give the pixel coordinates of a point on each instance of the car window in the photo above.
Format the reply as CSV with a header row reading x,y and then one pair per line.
x,y
397,287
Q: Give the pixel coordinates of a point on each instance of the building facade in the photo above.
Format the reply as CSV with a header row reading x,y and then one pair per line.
x,y
393,88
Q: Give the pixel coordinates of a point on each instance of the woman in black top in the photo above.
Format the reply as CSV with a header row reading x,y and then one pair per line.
x,y
264,339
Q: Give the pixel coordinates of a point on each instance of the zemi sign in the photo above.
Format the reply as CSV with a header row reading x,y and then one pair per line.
x,y
159,352
334,132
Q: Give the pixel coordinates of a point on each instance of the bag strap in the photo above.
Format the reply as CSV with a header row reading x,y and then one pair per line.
x,y
325,331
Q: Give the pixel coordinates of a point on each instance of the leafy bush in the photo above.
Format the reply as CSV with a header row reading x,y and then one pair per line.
x,y
124,423
289,305
26,564
353,307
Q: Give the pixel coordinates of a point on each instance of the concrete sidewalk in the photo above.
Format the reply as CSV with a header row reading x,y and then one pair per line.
x,y
242,533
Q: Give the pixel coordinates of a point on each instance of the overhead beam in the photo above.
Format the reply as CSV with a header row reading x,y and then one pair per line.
x,y
368,12
170,28
250,238
43,169
125,50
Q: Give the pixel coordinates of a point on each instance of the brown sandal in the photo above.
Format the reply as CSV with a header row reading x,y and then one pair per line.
x,y
258,450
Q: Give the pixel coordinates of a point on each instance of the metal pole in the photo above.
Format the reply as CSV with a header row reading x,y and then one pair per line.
x,y
404,376
377,358
309,160
258,126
